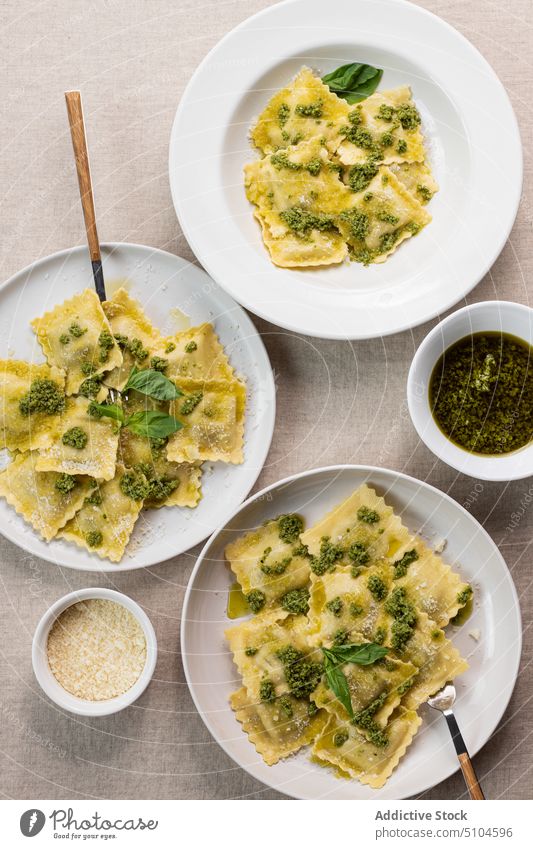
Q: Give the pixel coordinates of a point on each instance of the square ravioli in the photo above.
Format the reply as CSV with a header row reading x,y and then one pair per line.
x,y
280,728
343,746
381,218
212,414
82,444
46,500
76,336
137,338
171,484
304,109
271,566
298,194
105,523
387,126
196,354
272,656
31,399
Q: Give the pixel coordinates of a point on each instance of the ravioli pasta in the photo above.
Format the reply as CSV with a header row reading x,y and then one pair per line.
x,y
85,477
336,180
357,576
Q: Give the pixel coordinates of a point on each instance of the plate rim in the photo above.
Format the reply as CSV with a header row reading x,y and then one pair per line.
x,y
367,469
244,320
493,254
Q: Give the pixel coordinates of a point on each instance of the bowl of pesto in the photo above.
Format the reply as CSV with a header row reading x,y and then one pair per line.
x,y
470,391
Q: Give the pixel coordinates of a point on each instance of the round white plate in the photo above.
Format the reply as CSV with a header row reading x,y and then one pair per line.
x,y
483,692
167,287
475,152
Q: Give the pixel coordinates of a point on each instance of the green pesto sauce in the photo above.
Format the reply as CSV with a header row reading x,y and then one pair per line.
x,y
94,539
158,364
364,719
91,386
276,568
340,738
481,393
76,331
190,347
191,403
301,221
401,566
358,223
310,110
377,587
105,343
256,600
358,553
335,606
65,483
75,437
296,601
361,175
404,614
267,693
283,114
365,514
44,396
281,160
301,675
95,499
87,368
341,637
290,526
134,486
329,555
134,346
171,347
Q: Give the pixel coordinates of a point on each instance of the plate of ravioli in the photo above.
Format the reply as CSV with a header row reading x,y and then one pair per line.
x,y
321,618
128,427
340,176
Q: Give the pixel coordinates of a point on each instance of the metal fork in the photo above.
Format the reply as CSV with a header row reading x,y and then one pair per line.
x,y
444,701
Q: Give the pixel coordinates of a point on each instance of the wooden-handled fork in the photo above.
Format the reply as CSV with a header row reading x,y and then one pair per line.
x,y
81,155
444,701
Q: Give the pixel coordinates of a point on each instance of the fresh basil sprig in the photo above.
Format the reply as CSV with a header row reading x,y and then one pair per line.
x,y
335,657
353,82
152,383
150,423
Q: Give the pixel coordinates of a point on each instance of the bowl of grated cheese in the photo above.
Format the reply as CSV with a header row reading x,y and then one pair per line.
x,y
94,652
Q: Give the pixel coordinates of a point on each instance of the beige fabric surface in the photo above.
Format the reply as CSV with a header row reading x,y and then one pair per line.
x,y
132,60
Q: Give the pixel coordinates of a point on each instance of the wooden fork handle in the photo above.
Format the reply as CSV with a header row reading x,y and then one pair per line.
x,y
79,143
467,767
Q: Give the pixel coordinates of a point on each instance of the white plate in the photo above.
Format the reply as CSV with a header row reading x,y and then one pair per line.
x,y
475,152
483,692
164,284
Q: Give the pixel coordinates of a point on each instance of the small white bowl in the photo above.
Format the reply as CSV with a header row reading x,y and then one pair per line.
x,y
51,685
501,316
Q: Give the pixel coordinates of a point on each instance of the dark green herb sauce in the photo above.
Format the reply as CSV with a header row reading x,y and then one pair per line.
x,y
481,393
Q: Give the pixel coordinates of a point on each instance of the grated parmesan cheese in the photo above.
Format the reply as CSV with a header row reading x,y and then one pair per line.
x,y
96,649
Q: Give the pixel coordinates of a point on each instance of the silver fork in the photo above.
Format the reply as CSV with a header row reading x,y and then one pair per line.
x,y
444,701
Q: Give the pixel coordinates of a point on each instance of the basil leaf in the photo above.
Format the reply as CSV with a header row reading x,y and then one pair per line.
x,y
113,411
153,424
363,654
353,82
152,383
336,681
